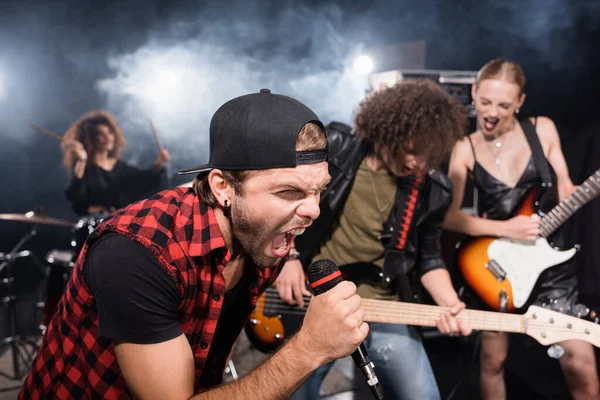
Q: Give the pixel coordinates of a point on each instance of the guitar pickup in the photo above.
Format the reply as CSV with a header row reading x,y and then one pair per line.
x,y
496,270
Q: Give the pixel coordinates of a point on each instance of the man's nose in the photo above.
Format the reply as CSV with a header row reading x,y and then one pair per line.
x,y
309,208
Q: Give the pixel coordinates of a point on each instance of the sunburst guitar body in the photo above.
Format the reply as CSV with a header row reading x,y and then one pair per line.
x,y
503,272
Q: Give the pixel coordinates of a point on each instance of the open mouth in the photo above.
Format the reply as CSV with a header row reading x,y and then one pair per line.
x,y
490,123
407,170
283,242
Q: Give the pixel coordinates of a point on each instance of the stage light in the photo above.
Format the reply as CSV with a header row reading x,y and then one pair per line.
x,y
363,65
166,80
164,88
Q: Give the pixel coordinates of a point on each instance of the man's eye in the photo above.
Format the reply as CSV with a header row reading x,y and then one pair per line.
x,y
289,194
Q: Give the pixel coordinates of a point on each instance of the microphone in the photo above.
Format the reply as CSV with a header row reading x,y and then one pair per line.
x,y
322,276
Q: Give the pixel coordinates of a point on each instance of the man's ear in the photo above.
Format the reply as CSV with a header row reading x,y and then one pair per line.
x,y
220,187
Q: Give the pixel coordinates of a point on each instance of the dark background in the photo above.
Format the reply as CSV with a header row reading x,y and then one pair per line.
x,y
176,62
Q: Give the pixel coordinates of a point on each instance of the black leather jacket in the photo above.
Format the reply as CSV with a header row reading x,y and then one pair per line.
x,y
422,252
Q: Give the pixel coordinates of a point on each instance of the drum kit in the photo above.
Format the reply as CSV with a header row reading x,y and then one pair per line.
x,y
26,309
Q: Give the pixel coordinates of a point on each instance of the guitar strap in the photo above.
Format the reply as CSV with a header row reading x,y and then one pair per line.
x,y
395,264
537,152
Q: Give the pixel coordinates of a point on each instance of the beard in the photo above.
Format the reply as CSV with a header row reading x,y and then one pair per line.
x,y
253,235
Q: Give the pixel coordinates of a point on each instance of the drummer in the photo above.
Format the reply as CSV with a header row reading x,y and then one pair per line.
x,y
100,180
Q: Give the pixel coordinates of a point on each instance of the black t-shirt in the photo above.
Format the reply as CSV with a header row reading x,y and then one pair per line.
x,y
136,299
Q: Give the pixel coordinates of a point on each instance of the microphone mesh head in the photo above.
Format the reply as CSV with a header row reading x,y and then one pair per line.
x,y
321,269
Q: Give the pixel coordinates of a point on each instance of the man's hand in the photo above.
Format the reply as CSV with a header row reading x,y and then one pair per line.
x,y
291,284
333,326
449,325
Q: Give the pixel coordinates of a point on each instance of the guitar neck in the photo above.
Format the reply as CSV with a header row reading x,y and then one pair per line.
x,y
546,326
425,315
563,211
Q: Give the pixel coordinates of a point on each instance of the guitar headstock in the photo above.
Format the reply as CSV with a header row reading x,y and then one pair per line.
x,y
549,327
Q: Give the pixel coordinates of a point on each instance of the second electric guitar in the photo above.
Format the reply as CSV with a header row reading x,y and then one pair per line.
x,y
502,271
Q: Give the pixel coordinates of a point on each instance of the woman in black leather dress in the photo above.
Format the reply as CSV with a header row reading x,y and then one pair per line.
x,y
499,159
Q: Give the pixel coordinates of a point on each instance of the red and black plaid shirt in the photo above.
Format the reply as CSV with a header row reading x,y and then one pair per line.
x,y
74,362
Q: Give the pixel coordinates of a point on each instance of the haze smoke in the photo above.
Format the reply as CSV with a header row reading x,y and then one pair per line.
x,y
179,84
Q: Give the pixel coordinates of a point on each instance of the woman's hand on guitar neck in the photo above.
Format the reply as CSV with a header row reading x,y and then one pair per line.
x,y
291,283
522,227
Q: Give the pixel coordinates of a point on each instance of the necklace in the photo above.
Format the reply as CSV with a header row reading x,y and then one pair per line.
x,y
496,148
379,206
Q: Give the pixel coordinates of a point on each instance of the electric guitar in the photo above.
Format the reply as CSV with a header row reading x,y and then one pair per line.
x,y
273,320
502,271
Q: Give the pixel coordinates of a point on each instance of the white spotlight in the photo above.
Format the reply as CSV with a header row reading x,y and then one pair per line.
x,y
363,65
166,80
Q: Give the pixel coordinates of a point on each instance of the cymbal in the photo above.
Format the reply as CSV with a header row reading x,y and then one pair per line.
x,y
34,218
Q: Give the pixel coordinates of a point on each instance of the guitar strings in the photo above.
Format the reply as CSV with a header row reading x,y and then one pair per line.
x,y
383,304
388,305
516,327
402,306
375,307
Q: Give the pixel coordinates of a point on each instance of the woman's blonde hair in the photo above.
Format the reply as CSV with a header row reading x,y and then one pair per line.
x,y
502,69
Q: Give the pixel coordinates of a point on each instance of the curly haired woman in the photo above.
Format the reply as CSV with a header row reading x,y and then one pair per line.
x,y
383,180
101,181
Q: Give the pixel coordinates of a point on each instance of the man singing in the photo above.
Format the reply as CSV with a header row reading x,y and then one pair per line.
x,y
162,288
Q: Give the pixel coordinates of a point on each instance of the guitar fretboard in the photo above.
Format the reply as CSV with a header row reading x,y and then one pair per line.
x,y
563,211
426,315
544,325
396,312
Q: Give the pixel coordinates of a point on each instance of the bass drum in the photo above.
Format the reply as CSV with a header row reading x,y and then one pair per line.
x,y
22,282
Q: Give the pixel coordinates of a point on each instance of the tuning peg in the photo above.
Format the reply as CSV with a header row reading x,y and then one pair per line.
x,y
555,351
580,310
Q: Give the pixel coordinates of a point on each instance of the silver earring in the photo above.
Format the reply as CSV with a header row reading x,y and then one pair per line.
x,y
517,111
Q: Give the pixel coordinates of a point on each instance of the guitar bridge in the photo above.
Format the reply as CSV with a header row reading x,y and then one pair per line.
x,y
496,270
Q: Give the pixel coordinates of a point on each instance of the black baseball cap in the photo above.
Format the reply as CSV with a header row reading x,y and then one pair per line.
x,y
259,131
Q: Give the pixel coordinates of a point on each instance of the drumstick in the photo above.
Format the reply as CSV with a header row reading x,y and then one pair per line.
x,y
47,132
155,136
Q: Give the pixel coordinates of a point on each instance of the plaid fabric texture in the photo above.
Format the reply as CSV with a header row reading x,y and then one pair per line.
x,y
74,362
